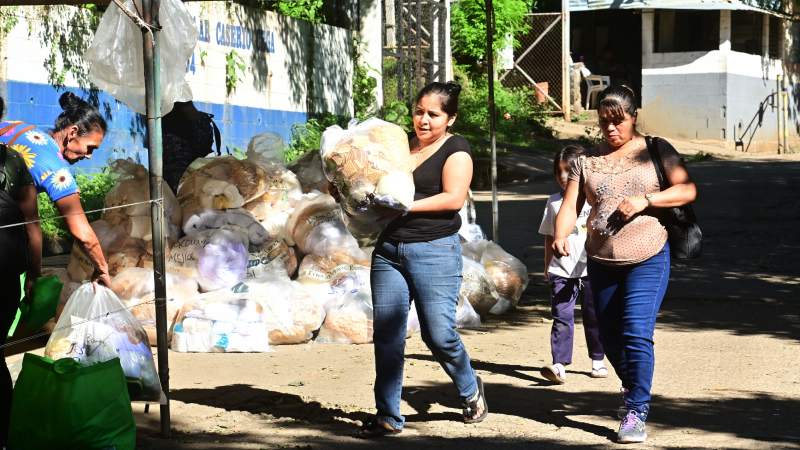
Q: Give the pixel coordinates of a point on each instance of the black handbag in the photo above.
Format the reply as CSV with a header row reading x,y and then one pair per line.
x,y
685,236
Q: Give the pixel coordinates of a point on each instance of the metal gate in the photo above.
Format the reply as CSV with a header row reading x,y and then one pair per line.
x,y
537,60
414,45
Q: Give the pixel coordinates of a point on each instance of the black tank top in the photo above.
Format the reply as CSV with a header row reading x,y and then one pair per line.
x,y
428,226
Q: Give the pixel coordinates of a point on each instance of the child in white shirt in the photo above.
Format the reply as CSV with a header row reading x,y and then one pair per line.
x,y
568,282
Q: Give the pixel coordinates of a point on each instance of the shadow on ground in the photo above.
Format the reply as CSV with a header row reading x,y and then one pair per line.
x,y
760,417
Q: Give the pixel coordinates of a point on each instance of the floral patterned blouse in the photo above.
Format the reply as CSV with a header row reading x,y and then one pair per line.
x,y
48,168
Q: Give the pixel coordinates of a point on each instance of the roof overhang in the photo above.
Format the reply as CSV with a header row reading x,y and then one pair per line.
x,y
766,6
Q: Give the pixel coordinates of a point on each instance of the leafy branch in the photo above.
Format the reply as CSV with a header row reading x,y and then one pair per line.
x,y
234,70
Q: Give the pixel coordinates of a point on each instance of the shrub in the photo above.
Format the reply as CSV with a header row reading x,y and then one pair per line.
x,y
93,187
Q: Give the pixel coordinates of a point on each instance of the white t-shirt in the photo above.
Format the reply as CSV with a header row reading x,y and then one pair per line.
x,y
574,265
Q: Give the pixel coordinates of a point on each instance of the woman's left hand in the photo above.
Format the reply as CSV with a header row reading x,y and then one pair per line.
x,y
632,206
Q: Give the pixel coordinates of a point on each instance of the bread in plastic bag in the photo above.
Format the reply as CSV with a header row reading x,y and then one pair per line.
x,y
370,165
95,327
316,227
350,322
272,209
220,183
509,274
115,60
133,186
273,250
477,288
136,288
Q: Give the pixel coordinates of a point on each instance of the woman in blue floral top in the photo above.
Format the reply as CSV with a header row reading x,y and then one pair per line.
x,y
79,130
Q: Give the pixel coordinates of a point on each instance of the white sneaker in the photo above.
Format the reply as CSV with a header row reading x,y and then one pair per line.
x,y
599,370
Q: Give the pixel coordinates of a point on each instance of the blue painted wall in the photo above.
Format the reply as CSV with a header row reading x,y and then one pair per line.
x,y
37,104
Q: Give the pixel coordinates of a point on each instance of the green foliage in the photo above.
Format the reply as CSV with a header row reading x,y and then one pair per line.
x,y
8,19
699,157
397,112
364,85
93,194
310,10
519,117
468,27
234,70
306,137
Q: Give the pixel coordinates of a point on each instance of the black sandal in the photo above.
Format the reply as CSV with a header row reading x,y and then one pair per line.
x,y
376,428
471,407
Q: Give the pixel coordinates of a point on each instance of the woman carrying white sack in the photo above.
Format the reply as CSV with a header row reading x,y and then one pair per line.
x,y
419,256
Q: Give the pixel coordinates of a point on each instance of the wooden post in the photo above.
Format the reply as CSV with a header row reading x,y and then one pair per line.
x,y
565,59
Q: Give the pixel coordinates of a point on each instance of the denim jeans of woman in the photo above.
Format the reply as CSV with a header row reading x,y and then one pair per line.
x,y
430,273
627,300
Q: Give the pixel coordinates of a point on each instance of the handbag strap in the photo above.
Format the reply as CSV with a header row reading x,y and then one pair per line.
x,y
655,155
22,131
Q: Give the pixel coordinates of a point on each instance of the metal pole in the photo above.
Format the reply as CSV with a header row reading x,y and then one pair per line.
x,y
565,78
785,115
152,66
779,100
492,117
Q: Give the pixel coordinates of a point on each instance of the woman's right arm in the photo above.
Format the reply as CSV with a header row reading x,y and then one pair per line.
x,y
78,225
566,218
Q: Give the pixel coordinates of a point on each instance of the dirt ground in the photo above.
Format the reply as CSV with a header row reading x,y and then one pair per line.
x,y
727,344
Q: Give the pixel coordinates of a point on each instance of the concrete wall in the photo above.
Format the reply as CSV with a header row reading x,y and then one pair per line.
x,y
707,95
293,69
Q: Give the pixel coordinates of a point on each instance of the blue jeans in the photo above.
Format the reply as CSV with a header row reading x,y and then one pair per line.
x,y
430,273
627,300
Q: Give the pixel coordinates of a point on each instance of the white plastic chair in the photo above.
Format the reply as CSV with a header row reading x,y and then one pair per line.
x,y
595,84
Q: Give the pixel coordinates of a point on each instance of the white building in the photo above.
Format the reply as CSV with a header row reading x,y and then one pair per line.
x,y
702,68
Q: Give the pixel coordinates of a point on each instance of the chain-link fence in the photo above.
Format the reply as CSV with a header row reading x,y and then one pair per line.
x,y
414,46
537,60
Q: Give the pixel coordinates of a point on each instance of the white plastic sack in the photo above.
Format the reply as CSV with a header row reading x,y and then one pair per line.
x,y
95,327
238,220
277,250
466,317
370,165
115,60
223,321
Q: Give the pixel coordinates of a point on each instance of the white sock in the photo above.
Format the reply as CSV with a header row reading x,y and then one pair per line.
x,y
598,364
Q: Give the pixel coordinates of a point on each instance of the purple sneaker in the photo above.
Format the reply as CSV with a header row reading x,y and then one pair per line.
x,y
631,429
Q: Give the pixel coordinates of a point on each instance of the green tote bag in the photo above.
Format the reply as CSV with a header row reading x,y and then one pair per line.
x,y
64,405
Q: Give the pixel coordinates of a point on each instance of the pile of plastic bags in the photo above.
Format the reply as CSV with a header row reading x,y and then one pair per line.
x,y
259,256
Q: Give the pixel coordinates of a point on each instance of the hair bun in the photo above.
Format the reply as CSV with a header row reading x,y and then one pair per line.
x,y
453,88
70,101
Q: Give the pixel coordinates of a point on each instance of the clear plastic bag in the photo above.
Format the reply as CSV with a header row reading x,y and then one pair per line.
x,y
350,322
219,256
115,60
266,148
309,173
229,321
509,274
262,257
370,165
95,327
237,220
466,316
316,227
477,288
